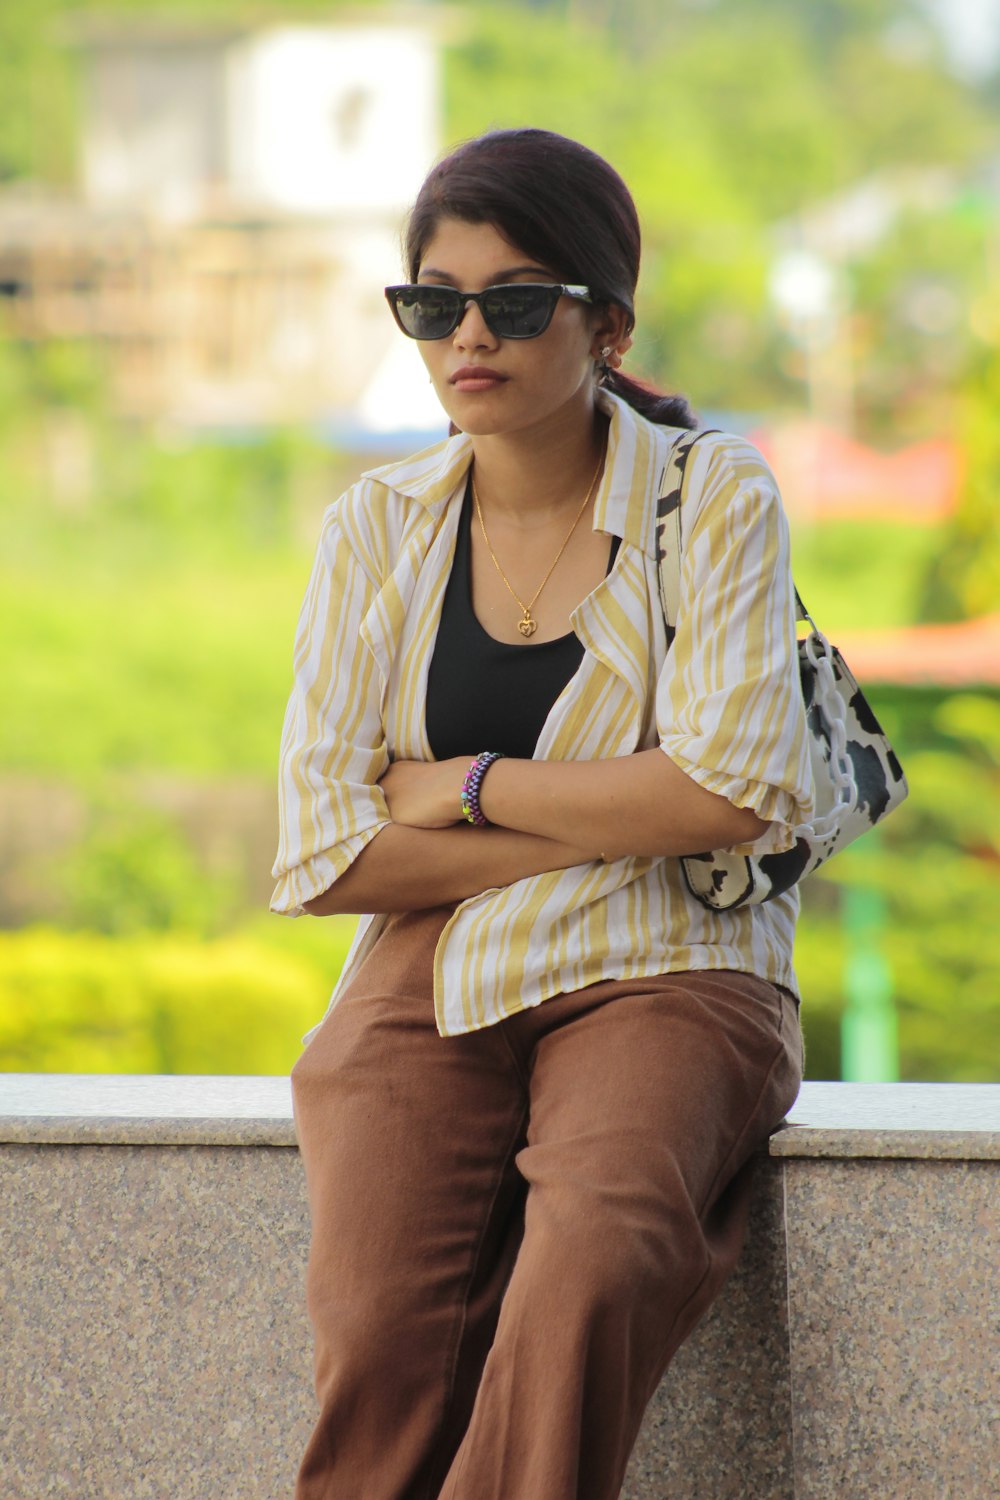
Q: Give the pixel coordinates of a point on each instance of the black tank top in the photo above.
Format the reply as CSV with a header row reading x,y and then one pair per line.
x,y
483,694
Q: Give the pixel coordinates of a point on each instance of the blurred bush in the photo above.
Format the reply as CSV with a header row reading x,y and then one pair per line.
x,y
963,578
935,868
135,869
82,1002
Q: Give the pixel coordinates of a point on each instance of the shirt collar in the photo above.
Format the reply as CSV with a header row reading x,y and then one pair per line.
x,y
625,506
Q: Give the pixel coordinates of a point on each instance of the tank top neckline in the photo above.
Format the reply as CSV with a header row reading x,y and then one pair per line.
x,y
465,531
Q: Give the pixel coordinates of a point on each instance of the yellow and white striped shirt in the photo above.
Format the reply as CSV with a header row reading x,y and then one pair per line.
x,y
724,703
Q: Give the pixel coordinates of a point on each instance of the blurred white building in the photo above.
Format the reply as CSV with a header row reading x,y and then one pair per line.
x,y
242,194
332,120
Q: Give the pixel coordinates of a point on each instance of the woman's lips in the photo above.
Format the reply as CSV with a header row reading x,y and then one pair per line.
x,y
472,378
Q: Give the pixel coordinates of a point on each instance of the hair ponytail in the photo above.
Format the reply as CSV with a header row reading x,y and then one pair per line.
x,y
656,406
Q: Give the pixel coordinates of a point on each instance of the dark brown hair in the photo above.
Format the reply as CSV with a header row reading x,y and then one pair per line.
x,y
564,206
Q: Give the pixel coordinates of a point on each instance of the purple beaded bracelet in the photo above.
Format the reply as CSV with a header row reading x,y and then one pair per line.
x,y
471,810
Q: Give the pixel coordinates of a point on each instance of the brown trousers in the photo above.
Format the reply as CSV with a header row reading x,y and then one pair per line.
x,y
515,1229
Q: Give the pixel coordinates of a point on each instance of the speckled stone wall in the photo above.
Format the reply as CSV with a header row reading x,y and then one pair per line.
x,y
894,1308
154,1346
720,1425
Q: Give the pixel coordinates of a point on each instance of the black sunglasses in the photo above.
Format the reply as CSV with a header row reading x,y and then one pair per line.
x,y
520,310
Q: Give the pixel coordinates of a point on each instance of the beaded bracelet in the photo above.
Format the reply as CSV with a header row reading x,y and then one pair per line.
x,y
471,810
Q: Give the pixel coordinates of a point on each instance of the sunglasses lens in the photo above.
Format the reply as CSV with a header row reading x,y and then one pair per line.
x,y
511,312
428,312
518,312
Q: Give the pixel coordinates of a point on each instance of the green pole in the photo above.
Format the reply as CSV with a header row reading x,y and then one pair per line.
x,y
869,1043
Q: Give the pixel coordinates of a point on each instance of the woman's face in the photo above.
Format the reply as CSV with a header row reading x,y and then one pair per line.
x,y
508,385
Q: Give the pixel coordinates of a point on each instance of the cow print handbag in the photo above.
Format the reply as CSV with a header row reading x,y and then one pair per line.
x,y
858,777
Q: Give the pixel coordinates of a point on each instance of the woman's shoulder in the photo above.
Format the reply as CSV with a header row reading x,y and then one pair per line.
x,y
362,506
430,475
712,455
376,513
727,452
425,478
722,469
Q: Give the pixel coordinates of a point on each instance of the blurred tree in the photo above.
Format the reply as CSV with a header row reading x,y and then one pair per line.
x,y
37,85
724,116
963,579
715,158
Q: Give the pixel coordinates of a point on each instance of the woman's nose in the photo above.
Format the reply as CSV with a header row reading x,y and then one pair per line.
x,y
473,331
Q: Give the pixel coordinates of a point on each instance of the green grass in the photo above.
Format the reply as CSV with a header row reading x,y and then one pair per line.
x,y
184,671
124,650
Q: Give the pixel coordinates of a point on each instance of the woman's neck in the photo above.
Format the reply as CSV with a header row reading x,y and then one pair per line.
x,y
533,476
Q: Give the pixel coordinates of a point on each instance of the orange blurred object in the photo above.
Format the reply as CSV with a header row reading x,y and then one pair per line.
x,y
826,476
963,654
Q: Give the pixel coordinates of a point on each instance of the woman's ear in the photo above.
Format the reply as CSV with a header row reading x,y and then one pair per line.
x,y
611,335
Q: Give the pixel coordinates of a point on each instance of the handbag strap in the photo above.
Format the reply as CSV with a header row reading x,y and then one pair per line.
x,y
673,489
674,483
801,613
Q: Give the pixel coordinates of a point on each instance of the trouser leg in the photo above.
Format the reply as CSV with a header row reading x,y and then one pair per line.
x,y
645,1109
408,1141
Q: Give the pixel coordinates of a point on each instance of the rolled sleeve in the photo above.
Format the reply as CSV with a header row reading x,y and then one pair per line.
x,y
729,708
333,747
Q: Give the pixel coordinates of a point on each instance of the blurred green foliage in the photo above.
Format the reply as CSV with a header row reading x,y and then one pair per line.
x,y
863,575
137,874
963,579
147,605
729,119
133,870
139,671
80,1002
127,612
936,867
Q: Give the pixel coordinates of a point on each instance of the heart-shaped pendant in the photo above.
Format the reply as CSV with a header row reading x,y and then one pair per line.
x,y
527,626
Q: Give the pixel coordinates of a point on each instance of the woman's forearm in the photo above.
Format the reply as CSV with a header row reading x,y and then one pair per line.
x,y
409,869
641,804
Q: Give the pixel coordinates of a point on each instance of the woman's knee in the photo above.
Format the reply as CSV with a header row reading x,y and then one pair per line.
x,y
368,1334
596,1252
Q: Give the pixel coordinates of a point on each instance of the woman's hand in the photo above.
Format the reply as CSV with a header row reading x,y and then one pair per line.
x,y
425,794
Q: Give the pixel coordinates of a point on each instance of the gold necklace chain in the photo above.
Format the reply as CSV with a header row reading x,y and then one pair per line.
x,y
527,625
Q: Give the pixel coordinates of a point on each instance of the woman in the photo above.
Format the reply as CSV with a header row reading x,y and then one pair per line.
x,y
526,1120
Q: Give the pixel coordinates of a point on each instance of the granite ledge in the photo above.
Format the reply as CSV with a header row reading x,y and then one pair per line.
x,y
943,1121
135,1109
907,1145
837,1120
